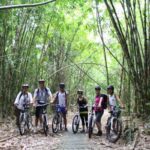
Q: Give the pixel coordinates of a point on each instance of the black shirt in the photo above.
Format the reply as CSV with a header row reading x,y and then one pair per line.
x,y
81,104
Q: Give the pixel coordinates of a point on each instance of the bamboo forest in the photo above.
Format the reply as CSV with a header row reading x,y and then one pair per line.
x,y
75,74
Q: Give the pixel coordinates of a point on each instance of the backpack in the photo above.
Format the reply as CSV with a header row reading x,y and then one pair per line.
x,y
104,102
39,102
21,95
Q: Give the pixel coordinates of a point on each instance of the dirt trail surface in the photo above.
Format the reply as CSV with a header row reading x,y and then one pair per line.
x,y
11,140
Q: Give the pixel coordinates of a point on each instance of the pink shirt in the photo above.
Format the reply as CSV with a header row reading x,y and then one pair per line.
x,y
98,99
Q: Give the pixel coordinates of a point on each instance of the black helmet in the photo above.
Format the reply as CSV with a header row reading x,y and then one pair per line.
x,y
80,91
25,85
97,87
41,81
110,87
62,85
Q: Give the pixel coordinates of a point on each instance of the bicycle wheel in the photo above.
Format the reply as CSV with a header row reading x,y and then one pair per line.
x,y
75,124
55,123
90,132
45,126
22,124
113,132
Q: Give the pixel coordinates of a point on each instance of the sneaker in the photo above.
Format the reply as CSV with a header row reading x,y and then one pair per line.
x,y
83,131
35,130
99,133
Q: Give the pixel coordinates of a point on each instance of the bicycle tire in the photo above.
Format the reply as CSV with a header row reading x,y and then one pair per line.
x,y
22,124
55,123
45,126
75,124
90,131
113,136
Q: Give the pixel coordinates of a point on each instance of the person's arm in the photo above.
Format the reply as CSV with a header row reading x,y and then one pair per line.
x,y
16,102
54,98
86,101
50,95
34,98
100,102
66,100
109,106
119,100
31,99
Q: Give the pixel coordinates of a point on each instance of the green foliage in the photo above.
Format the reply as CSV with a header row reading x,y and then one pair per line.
x,y
58,42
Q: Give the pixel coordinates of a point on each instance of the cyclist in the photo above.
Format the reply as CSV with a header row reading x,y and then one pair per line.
x,y
99,110
113,98
23,98
42,96
61,100
83,109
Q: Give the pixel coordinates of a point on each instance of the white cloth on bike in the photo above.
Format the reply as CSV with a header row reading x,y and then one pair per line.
x,y
22,99
112,100
62,99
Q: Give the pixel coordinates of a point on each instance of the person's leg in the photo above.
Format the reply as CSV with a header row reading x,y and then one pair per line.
x,y
65,120
36,116
98,122
86,120
83,123
17,113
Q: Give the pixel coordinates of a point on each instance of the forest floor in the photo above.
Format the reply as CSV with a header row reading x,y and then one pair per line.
x,y
11,140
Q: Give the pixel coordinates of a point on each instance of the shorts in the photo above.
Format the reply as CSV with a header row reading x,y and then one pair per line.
x,y
99,115
63,110
39,110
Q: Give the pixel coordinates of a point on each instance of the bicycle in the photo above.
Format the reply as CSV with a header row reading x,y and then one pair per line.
x,y
91,123
44,119
57,120
114,125
76,121
25,120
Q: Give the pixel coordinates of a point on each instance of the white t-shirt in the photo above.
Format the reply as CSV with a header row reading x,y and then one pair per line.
x,y
22,99
112,100
41,94
62,99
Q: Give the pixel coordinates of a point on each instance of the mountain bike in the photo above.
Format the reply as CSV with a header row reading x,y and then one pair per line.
x,y
76,121
91,123
44,119
25,120
114,125
57,119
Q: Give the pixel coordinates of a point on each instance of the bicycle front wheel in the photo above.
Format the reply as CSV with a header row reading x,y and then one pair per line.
x,y
55,124
114,130
75,124
22,124
90,131
45,126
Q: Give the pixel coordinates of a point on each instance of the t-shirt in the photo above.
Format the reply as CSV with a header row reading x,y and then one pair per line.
x,y
41,96
98,99
22,99
112,100
81,104
62,99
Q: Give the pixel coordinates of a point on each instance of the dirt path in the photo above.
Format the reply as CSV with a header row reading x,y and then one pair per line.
x,y
80,141
11,140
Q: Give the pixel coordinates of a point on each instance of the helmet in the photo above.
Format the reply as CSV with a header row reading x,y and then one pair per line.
x,y
41,81
80,91
97,87
62,85
110,87
25,85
